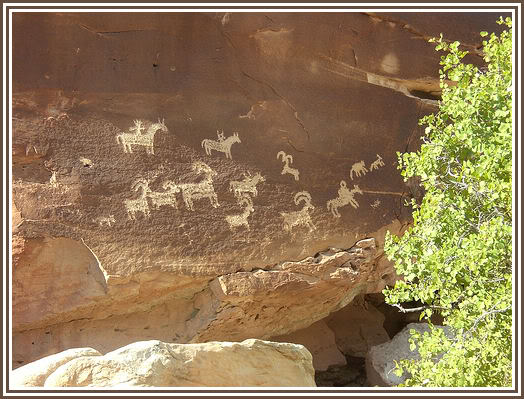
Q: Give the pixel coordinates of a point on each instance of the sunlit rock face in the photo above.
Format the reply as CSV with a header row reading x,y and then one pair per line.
x,y
159,364
189,177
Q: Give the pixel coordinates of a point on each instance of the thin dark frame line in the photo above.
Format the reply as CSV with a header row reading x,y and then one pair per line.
x,y
378,392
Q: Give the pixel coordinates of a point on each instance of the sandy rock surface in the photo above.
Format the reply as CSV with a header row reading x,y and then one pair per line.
x,y
158,364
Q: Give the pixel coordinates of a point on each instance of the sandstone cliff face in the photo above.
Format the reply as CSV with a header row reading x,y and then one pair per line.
x,y
198,176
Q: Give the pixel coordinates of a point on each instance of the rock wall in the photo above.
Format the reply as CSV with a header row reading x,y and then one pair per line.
x,y
207,176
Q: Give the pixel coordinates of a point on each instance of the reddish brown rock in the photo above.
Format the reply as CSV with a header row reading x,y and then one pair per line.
x,y
174,174
357,327
320,342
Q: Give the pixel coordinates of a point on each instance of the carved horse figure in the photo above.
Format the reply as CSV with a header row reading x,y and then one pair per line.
x,y
222,145
166,197
241,219
203,189
301,217
248,185
140,204
345,197
288,159
141,139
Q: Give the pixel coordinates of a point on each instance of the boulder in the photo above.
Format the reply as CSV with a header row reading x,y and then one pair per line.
x,y
320,342
380,360
34,374
252,362
357,328
189,177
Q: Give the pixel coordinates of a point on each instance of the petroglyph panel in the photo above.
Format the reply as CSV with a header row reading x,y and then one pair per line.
x,y
136,137
301,217
223,144
288,159
345,197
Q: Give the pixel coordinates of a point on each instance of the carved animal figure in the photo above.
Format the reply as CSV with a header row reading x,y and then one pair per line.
x,y
376,164
288,159
167,197
50,121
105,220
222,145
359,168
204,189
375,204
241,219
345,196
248,185
128,140
140,204
301,217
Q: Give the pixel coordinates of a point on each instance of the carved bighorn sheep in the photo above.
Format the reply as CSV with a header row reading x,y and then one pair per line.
x,y
140,204
288,159
241,219
301,217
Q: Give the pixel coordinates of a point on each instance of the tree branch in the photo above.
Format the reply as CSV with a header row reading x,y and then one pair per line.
x,y
420,308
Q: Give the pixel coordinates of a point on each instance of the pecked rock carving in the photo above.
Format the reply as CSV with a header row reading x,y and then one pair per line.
x,y
196,191
246,186
359,168
345,197
288,159
223,144
302,217
105,220
376,164
241,219
140,204
166,197
128,140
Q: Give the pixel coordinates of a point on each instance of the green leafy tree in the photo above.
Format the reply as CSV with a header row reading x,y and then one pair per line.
x,y
456,258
